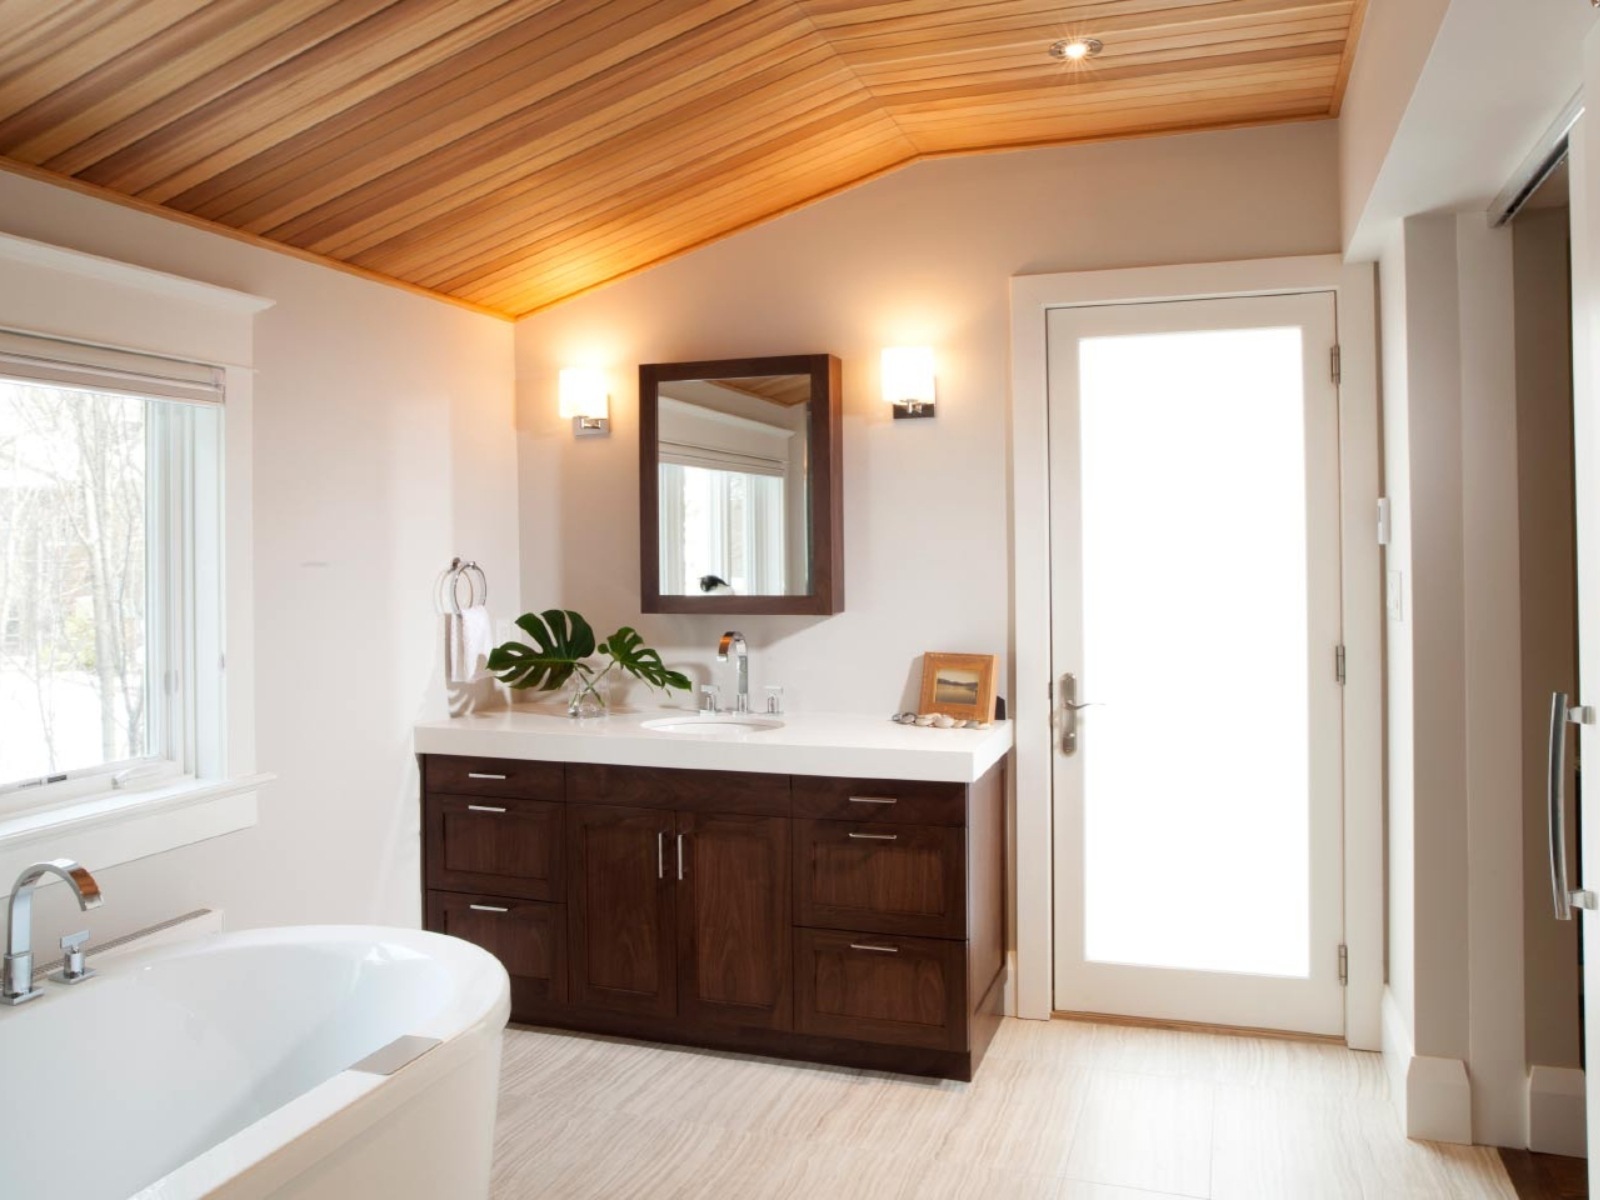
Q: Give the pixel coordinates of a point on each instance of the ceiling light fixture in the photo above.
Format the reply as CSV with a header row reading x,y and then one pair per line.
x,y
1076,49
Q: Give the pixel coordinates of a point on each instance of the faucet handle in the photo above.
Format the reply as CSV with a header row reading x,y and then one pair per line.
x,y
710,698
73,969
774,700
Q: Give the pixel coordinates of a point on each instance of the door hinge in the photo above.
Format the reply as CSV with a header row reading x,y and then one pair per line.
x,y
1335,365
1383,521
1344,966
1338,664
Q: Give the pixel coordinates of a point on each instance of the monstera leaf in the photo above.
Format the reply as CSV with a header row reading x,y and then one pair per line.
x,y
562,640
628,650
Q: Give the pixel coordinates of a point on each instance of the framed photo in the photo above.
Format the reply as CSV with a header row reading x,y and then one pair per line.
x,y
959,685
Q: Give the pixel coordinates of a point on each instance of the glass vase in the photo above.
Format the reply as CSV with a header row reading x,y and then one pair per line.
x,y
588,696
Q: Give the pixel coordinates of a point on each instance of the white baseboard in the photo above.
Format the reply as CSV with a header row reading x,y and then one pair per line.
x,y
1432,1096
1438,1100
1008,996
1557,1112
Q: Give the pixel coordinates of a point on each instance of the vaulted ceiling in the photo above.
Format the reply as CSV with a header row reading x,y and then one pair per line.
x,y
513,153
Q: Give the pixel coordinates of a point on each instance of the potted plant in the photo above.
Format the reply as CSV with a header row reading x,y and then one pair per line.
x,y
563,642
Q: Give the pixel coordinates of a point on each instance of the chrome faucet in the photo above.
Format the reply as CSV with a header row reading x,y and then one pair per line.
x,y
733,643
17,986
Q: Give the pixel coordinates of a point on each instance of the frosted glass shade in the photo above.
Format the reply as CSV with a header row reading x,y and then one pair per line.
x,y
908,375
583,393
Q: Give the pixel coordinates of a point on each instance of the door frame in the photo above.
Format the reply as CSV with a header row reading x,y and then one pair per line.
x,y
1354,288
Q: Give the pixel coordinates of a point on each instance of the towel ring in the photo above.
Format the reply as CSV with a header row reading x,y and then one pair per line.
x,y
449,587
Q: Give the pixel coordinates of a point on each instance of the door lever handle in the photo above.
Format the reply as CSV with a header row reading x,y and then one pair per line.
x,y
1067,709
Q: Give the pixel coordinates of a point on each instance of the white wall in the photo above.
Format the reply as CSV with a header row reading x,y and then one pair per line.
x,y
382,429
921,257
1454,682
1396,37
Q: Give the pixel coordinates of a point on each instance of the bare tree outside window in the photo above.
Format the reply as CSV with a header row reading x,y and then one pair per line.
x,y
72,579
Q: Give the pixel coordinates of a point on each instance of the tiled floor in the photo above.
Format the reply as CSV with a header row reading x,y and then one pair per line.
x,y
1060,1111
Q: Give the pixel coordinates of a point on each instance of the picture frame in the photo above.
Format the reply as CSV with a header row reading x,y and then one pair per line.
x,y
959,685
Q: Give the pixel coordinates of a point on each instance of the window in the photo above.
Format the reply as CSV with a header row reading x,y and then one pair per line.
x,y
110,606
727,524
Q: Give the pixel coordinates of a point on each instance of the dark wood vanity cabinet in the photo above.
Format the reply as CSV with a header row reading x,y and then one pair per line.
x,y
851,921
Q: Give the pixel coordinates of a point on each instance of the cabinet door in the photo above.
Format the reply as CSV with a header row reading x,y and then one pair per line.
x,y
529,939
621,933
505,847
908,879
734,929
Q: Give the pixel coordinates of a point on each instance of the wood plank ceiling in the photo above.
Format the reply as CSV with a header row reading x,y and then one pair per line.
x,y
513,153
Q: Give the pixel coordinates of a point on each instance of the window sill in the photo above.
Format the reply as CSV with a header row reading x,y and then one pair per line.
x,y
117,827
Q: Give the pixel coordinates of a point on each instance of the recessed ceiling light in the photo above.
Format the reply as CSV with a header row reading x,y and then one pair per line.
x,y
1076,49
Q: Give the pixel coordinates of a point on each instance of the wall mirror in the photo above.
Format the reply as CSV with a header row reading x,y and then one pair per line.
x,y
739,484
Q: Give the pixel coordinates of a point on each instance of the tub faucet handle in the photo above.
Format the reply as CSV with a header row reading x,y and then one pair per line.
x,y
73,969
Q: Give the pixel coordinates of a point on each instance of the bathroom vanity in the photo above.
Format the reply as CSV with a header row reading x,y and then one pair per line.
x,y
829,889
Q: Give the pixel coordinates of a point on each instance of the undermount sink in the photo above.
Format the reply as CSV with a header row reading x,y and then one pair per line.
x,y
722,725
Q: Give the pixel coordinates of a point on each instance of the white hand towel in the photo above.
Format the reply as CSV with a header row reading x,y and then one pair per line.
x,y
472,638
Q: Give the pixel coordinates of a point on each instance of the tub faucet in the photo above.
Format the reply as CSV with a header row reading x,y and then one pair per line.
x,y
17,986
733,643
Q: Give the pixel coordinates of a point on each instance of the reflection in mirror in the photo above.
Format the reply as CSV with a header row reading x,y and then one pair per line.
x,y
734,502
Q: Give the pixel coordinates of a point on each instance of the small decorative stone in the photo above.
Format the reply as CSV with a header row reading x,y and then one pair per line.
x,y
926,719
905,718
969,724
944,722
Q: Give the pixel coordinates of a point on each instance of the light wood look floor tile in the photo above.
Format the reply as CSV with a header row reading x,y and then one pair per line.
x,y
1270,1144
1077,1189
1145,1131
1060,1111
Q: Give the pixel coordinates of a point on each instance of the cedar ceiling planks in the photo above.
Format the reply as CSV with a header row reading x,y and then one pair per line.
x,y
514,153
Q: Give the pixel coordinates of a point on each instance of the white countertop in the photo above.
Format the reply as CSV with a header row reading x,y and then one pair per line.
x,y
806,744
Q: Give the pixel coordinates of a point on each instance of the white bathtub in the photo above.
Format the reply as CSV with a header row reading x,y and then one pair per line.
x,y
219,1067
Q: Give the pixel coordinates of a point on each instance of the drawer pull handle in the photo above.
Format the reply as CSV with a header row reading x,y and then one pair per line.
x,y
478,775
487,908
489,808
876,837
874,800
875,949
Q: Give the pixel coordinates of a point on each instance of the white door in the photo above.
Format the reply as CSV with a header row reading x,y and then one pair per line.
x,y
1585,176
1194,478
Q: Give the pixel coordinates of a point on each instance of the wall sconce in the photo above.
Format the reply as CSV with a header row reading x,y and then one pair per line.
x,y
908,381
584,400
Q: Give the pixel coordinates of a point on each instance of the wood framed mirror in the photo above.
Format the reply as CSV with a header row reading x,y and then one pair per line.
x,y
740,500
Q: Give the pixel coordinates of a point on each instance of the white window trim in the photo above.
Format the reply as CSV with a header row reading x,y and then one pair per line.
x,y
156,814
1032,296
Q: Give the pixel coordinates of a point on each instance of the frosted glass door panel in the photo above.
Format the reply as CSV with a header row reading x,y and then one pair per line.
x,y
1194,616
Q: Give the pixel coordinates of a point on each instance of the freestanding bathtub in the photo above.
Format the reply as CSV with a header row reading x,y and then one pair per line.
x,y
222,1067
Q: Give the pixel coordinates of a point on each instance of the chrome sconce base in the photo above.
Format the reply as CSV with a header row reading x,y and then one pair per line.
x,y
911,410
591,427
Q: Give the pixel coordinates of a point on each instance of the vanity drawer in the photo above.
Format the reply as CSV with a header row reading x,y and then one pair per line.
x,y
748,792
509,777
529,938
905,879
501,846
871,988
891,800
